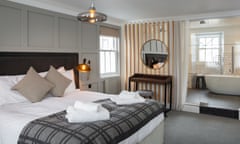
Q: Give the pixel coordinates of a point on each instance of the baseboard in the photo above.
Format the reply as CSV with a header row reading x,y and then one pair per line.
x,y
239,114
219,112
189,107
204,108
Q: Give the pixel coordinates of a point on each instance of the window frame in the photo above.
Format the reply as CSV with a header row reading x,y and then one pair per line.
x,y
220,36
117,58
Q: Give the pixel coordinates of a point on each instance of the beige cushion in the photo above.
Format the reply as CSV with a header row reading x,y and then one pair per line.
x,y
33,86
60,81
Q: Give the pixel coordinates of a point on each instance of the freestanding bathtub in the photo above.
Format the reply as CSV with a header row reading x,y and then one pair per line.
x,y
223,84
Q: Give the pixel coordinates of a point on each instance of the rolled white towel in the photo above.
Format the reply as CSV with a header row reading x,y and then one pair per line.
x,y
87,106
76,115
125,101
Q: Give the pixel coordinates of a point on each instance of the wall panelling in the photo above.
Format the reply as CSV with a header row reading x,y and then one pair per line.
x,y
24,28
10,27
89,37
29,29
68,34
40,30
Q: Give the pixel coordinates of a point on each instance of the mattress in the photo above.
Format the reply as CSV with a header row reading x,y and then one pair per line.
x,y
13,117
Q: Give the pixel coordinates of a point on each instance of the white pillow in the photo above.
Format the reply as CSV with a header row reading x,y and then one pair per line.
x,y
7,82
61,69
42,74
6,94
70,75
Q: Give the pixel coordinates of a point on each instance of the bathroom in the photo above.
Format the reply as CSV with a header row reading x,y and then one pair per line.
x,y
214,66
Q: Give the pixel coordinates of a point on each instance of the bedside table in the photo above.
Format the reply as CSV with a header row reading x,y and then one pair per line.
x,y
91,85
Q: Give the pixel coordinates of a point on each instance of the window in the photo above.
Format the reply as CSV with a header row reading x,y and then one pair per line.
x,y
209,46
109,51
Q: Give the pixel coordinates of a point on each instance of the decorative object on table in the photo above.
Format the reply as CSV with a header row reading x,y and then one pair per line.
x,y
84,68
146,93
92,16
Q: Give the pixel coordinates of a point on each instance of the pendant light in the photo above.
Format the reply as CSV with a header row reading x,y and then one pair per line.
x,y
92,16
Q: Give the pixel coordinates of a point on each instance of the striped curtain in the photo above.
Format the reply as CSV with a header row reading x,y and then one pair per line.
x,y
136,35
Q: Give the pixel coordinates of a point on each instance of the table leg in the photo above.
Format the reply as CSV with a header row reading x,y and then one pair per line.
x,y
170,95
136,86
129,85
165,99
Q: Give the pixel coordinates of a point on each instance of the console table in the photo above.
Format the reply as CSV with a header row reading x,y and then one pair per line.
x,y
165,80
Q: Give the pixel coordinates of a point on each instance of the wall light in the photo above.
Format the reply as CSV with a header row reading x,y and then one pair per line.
x,y
84,67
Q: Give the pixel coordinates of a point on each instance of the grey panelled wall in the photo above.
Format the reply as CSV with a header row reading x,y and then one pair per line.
x,y
68,33
10,27
89,38
28,29
24,28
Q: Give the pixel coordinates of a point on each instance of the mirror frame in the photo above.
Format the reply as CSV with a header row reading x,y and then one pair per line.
x,y
155,54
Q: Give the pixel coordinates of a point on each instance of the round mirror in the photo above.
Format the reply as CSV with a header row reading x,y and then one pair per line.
x,y
154,53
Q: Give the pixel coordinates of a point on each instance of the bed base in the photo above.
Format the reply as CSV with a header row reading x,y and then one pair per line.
x,y
156,137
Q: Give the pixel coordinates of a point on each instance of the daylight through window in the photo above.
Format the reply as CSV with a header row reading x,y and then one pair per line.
x,y
109,51
209,47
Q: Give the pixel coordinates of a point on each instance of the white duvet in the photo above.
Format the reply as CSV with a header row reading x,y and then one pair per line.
x,y
13,117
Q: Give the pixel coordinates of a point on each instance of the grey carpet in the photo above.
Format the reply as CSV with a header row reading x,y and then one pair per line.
x,y
191,128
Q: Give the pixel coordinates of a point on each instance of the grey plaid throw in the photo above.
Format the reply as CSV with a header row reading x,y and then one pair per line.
x,y
124,121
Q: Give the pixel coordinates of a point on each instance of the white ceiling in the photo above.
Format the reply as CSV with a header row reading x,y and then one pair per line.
x,y
130,10
217,22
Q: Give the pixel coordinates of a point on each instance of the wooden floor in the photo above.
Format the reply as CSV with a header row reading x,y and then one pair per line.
x,y
196,96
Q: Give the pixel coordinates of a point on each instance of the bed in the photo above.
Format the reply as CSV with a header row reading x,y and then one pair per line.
x,y
15,116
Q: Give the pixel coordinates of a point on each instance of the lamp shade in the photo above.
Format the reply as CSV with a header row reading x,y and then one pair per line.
x,y
83,67
92,16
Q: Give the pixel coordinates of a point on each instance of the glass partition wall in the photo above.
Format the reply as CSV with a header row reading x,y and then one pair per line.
x,y
214,62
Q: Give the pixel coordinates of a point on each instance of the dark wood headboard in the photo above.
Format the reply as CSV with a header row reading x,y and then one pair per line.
x,y
15,63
